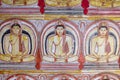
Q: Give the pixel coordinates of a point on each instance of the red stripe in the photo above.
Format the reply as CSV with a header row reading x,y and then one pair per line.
x,y
41,4
85,5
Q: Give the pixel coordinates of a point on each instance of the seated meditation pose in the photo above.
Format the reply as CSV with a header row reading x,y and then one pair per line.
x,y
102,46
60,45
16,46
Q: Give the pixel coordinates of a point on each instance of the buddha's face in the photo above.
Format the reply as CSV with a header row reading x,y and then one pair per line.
x,y
59,30
16,30
103,31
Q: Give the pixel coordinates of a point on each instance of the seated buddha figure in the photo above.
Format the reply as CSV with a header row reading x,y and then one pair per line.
x,y
60,45
16,46
102,46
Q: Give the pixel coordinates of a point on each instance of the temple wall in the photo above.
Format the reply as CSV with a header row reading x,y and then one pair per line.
x,y
59,42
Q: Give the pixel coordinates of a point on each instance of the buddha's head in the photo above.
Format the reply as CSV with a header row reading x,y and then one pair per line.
x,y
60,30
103,30
16,29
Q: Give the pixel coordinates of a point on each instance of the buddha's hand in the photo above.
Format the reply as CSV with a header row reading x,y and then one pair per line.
x,y
107,57
9,54
98,58
53,55
19,54
69,54
13,55
96,55
24,54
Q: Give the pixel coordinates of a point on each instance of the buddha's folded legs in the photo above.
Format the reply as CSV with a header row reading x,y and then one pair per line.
x,y
10,58
111,58
28,58
16,59
5,57
91,58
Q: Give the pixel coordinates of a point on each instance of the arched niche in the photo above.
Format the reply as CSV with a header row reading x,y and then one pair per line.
x,y
20,77
63,77
42,77
49,38
17,47
92,37
105,76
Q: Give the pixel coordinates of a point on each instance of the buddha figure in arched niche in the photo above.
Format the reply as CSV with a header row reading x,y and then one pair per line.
x,y
103,45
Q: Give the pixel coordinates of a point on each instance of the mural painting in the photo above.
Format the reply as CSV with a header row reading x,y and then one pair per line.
x,y
63,43
60,44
